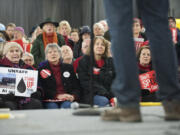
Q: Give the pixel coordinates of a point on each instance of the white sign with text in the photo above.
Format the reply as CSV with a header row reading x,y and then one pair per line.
x,y
20,82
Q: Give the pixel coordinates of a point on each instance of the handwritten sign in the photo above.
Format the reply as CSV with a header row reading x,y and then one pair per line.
x,y
20,82
174,34
148,81
138,43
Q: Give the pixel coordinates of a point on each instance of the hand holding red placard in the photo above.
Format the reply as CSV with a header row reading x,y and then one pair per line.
x,y
174,35
148,81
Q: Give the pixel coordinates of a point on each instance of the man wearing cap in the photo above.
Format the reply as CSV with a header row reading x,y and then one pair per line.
x,y
48,36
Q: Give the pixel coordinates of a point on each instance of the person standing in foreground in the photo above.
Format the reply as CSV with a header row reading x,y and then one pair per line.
x,y
126,85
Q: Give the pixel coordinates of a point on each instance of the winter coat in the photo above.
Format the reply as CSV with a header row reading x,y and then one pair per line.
x,y
68,78
38,50
101,82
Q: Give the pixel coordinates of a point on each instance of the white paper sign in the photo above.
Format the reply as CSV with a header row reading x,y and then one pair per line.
x,y
21,82
138,43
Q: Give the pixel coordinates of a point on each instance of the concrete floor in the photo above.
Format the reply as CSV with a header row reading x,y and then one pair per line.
x,y
62,122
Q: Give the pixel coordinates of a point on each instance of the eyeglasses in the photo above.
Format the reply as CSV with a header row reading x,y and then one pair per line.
x,y
28,60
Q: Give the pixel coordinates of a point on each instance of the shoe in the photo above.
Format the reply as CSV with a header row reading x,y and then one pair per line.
x,y
172,110
122,114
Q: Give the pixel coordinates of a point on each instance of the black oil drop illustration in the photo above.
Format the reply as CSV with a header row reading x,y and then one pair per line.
x,y
21,86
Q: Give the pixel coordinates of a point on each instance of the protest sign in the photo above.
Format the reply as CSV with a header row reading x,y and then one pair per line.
x,y
138,43
20,82
148,81
174,34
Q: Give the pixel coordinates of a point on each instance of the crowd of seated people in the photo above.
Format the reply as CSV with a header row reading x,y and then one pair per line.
x,y
66,62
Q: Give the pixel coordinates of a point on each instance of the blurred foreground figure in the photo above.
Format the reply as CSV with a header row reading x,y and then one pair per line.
x,y
126,85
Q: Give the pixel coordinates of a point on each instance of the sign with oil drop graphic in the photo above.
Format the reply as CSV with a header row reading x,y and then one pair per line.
x,y
20,82
21,86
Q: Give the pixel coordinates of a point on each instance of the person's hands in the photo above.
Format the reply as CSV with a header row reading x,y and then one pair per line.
x,y
65,97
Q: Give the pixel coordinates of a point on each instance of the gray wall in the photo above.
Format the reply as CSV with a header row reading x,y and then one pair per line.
x,y
28,13
174,8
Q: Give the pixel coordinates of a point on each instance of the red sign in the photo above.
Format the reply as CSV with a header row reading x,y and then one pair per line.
x,y
45,73
30,82
174,34
139,42
96,71
148,81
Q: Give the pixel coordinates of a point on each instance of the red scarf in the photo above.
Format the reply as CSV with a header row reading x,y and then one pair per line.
x,y
49,38
145,68
100,63
57,75
67,42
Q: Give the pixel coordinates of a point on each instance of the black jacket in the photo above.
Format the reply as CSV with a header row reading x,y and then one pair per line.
x,y
70,82
10,97
101,82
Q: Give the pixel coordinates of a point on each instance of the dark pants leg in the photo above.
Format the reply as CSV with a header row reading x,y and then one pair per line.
x,y
126,84
101,101
51,105
66,104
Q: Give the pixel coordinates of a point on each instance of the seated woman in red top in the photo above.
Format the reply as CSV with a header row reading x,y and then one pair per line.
x,y
103,74
57,80
145,65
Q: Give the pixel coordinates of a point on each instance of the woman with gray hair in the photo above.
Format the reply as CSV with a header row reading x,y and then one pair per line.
x,y
66,54
98,29
58,80
28,58
12,58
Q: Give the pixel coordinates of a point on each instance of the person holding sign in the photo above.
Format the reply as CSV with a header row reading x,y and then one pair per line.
x,y
57,80
145,66
12,58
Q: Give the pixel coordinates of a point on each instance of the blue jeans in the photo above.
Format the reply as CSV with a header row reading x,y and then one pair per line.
x,y
101,101
154,14
55,105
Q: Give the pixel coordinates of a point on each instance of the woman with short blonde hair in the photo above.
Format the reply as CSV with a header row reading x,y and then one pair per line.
x,y
64,28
